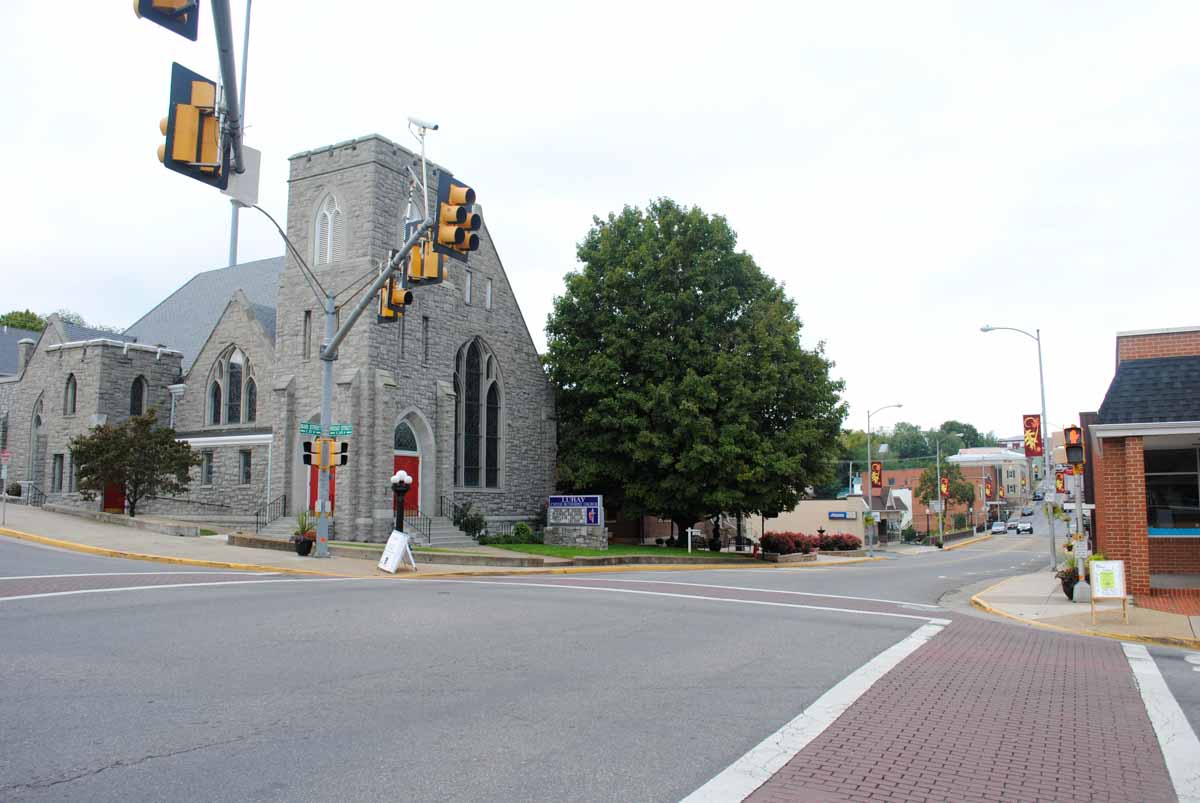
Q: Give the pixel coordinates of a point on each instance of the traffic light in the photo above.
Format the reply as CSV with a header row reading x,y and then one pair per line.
x,y
457,220
308,453
425,265
180,16
192,129
343,455
393,300
1073,436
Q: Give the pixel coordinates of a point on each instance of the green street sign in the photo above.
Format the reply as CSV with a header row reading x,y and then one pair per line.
x,y
341,430
310,429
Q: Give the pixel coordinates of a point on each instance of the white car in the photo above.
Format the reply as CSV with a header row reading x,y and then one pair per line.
x,y
999,528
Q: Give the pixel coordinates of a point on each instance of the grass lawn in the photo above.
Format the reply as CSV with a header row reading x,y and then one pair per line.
x,y
555,551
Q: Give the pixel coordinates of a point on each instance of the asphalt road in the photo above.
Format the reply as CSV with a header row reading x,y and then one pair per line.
x,y
201,685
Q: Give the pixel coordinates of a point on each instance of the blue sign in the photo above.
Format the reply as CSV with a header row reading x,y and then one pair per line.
x,y
586,510
838,515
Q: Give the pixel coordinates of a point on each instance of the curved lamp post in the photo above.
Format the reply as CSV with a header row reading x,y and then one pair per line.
x,y
401,482
1046,472
868,489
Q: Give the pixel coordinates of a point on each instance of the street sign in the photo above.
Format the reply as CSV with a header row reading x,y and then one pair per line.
x,y
935,505
341,430
576,510
309,429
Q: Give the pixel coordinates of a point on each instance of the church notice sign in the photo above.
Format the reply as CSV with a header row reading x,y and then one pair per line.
x,y
587,511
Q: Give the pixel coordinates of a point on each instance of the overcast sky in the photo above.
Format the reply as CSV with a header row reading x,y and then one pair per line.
x,y
908,171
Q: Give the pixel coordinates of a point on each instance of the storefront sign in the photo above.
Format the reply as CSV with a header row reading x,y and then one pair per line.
x,y
587,511
1033,436
842,515
1108,582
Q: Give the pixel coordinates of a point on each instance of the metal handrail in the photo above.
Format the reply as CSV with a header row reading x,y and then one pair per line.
x,y
34,496
446,506
269,512
417,523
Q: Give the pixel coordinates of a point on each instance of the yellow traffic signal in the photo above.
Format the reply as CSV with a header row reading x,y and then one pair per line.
x,y
425,265
457,219
393,299
180,16
193,130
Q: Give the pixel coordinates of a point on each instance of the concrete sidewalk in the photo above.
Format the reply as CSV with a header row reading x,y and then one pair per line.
x,y
1038,599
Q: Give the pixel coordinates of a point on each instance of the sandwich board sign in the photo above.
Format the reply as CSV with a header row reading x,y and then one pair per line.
x,y
395,552
576,511
1108,582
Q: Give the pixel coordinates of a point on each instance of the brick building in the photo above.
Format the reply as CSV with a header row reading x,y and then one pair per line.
x,y
455,392
1143,455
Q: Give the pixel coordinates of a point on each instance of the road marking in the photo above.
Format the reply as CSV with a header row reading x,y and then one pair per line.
x,y
186,585
1193,658
771,591
755,768
698,596
1180,747
131,574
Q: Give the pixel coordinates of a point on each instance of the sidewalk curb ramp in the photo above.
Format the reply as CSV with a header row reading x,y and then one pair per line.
x,y
979,603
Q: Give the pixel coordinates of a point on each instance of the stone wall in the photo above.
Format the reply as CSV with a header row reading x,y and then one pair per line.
x,y
588,537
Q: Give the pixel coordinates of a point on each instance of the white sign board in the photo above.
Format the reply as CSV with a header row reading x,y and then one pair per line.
x,y
1108,579
395,552
935,505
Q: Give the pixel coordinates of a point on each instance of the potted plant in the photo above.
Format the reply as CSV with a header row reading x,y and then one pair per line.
x,y
305,533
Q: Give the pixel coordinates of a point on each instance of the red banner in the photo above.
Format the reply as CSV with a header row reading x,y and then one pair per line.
x,y
1060,482
1001,491
1022,482
876,475
945,487
1033,436
987,487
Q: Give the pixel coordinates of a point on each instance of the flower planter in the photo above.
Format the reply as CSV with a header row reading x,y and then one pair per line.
x,y
1068,587
304,546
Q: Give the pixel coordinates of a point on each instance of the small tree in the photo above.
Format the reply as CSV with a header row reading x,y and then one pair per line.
x,y
961,491
144,459
23,319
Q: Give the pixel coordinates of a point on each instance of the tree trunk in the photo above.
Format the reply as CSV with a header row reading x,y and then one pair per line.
x,y
681,527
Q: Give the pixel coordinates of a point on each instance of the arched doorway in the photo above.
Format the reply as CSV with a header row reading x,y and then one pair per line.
x,y
406,456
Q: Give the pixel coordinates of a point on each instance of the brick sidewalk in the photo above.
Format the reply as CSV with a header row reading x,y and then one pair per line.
x,y
988,712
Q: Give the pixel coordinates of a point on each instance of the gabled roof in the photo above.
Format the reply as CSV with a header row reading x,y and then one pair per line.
x,y
185,318
9,335
1160,389
74,333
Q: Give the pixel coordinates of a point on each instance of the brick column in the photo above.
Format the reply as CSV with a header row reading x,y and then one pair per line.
x,y
1134,470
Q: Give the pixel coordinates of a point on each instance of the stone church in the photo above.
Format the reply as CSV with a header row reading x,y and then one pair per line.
x,y
455,393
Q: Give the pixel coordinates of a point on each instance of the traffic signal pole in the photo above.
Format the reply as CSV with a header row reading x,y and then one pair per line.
x,y
223,28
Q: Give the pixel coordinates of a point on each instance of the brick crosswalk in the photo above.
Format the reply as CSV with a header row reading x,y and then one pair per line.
x,y
988,712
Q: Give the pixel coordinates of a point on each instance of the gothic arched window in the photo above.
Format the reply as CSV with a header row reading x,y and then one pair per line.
x,y
328,232
214,402
137,396
477,417
69,396
404,439
232,389
251,401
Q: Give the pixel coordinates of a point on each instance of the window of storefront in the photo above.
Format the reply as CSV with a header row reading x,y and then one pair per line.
x,y
1173,491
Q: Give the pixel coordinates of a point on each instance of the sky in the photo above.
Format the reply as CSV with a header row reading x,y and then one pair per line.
x,y
909,172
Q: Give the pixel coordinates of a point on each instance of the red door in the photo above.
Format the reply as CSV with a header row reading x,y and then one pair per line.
x,y
114,498
412,464
313,485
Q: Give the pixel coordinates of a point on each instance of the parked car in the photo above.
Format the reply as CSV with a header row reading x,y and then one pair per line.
x,y
998,528
1027,510
1025,528
1038,496
1012,525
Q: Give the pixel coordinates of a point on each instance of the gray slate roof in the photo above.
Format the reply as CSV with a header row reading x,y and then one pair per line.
x,y
9,335
184,320
75,333
1161,389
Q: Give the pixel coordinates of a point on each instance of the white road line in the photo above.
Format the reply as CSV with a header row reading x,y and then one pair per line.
x,y
132,574
1180,747
770,591
698,596
752,770
182,585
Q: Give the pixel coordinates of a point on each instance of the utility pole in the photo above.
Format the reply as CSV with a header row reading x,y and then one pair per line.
x,y
235,206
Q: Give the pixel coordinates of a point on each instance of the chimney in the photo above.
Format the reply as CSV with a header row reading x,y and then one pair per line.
x,y
24,352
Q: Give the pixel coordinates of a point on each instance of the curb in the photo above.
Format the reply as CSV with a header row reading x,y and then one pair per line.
x,y
117,553
977,540
1162,641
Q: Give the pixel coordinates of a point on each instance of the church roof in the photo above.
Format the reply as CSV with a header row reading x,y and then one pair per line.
x,y
9,335
184,320
75,333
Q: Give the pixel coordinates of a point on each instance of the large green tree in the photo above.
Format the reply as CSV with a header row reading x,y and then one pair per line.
x,y
137,454
23,319
683,390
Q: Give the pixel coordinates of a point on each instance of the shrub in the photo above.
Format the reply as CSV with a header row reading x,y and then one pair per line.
x,y
909,533
659,541
14,489
839,542
522,531
779,543
960,521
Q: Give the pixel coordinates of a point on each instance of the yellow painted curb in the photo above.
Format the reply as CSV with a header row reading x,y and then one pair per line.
x,y
977,540
117,553
1164,641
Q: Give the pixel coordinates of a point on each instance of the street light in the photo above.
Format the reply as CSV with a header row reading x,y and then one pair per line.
x,y
869,494
1046,473
937,439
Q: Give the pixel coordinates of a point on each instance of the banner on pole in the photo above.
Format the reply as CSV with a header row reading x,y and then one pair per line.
x,y
1033,436
876,474
945,487
988,489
